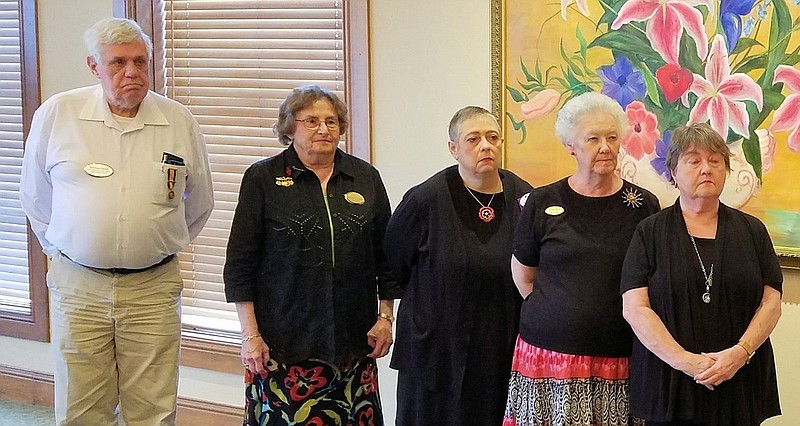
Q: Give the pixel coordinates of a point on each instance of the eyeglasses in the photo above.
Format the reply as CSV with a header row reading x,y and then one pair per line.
x,y
313,123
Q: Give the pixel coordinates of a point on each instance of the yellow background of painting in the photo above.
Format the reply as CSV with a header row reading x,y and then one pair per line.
x,y
533,30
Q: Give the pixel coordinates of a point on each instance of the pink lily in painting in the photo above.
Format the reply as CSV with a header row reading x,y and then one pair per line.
x,y
542,104
666,20
582,7
721,94
787,116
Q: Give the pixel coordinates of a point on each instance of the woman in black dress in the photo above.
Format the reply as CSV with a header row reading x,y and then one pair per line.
x,y
450,242
702,292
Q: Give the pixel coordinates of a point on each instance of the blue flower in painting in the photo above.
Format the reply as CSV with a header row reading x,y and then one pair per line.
x,y
659,163
731,12
749,26
622,82
761,10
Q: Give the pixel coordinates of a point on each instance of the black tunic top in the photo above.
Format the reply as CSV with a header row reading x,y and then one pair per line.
x,y
577,244
313,265
661,257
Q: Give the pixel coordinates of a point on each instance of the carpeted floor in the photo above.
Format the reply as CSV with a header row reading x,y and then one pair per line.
x,y
16,414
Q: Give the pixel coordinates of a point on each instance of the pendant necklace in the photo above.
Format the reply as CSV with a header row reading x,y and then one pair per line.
x,y
709,277
485,213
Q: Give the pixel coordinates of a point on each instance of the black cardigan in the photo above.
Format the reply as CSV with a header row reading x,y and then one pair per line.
x,y
438,300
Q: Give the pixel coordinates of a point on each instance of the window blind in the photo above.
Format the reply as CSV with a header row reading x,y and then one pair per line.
x,y
14,278
232,63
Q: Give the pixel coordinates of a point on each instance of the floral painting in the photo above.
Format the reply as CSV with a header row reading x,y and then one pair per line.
x,y
730,63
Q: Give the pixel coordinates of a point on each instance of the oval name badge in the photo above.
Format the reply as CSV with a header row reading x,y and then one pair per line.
x,y
554,210
99,170
354,198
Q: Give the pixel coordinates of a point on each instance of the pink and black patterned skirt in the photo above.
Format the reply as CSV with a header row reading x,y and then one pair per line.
x,y
552,388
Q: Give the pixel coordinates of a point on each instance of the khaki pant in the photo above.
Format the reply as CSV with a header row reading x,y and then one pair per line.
x,y
116,340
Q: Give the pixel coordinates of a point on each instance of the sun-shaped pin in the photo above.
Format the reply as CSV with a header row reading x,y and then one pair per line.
x,y
632,198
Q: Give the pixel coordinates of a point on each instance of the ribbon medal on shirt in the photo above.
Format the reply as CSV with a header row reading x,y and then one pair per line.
x,y
98,170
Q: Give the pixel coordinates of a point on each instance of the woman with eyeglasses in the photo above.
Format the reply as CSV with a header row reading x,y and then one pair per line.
x,y
306,269
449,241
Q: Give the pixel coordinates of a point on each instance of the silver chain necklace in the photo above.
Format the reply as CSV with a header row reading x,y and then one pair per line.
x,y
485,213
709,277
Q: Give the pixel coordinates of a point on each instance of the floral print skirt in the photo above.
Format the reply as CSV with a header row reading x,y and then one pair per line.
x,y
552,388
314,392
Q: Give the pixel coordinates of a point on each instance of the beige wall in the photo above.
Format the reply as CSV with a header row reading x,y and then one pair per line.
x,y
429,58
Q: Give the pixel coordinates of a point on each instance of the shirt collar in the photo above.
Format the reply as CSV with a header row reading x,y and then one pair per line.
x,y
96,109
341,163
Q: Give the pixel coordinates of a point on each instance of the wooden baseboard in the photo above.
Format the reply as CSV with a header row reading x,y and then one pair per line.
x,y
35,388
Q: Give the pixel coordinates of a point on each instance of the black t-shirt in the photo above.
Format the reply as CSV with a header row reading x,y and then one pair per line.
x,y
577,245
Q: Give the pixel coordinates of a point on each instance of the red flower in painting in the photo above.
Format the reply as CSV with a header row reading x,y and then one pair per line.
x,y
303,383
644,131
674,81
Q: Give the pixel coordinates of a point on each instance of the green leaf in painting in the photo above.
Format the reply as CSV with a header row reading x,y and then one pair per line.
x,y
630,42
516,95
779,33
518,126
581,41
528,75
750,63
652,86
688,55
563,82
745,43
574,67
752,153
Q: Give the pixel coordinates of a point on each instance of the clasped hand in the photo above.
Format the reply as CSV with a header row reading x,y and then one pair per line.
x,y
711,369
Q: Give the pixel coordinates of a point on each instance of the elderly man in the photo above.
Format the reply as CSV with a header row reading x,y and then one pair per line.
x,y
115,181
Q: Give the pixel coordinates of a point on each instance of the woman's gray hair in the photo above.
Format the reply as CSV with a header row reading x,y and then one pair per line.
x,y
695,136
464,114
585,104
114,31
301,98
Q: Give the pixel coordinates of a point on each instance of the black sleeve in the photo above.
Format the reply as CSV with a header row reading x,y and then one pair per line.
x,y
246,242
637,267
527,241
388,287
404,235
771,274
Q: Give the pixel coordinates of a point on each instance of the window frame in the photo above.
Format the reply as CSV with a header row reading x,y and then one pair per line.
x,y
35,326
199,350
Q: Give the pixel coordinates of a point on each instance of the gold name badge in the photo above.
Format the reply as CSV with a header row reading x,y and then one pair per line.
x,y
284,181
98,170
554,210
354,198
